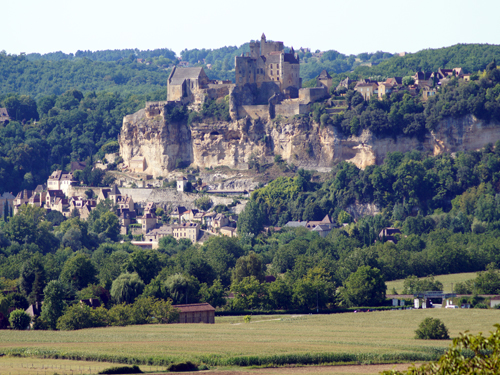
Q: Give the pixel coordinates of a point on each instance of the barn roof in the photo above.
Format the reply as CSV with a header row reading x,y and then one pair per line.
x,y
194,307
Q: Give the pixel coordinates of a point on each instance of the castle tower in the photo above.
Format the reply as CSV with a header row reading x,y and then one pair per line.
x,y
254,50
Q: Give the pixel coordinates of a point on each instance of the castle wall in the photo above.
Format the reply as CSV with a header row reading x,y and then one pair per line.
x,y
312,94
254,111
289,108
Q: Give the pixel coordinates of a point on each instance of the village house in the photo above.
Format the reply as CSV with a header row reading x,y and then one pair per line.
x,y
156,234
228,231
189,215
22,198
148,222
388,234
190,231
367,89
138,164
177,212
219,221
60,181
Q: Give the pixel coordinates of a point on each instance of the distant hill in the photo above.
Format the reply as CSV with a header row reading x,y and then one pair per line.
x,y
143,72
470,57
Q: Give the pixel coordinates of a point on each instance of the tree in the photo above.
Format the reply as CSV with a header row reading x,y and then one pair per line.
x,y
280,294
19,319
249,294
203,203
215,295
246,266
33,279
108,225
251,219
432,329
127,287
145,263
365,287
53,303
79,272
182,288
315,290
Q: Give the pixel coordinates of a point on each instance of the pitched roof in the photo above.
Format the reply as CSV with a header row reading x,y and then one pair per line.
x,y
7,196
181,74
78,166
4,115
295,224
194,307
114,190
324,75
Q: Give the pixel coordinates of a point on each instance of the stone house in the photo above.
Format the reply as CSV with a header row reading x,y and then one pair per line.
x,y
208,218
367,89
228,231
189,215
428,92
388,234
190,231
22,198
156,234
177,212
219,221
137,164
60,181
52,196
148,222
324,80
424,79
125,202
181,183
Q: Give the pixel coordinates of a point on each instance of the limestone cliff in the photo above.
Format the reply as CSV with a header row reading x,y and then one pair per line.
x,y
296,140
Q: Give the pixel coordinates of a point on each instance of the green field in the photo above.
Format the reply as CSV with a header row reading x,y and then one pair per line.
x,y
447,280
351,337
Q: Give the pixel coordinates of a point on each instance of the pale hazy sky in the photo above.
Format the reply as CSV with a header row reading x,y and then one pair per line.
x,y
350,27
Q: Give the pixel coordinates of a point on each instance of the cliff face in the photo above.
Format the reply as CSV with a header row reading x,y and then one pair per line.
x,y
296,140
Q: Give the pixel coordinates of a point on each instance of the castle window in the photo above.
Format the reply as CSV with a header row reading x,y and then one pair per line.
x,y
271,66
271,72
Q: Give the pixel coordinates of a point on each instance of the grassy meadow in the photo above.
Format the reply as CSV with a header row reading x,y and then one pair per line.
x,y
447,280
351,337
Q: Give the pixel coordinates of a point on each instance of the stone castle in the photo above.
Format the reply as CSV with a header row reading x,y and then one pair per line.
x,y
267,84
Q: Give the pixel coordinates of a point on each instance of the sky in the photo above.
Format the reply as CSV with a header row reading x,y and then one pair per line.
x,y
350,27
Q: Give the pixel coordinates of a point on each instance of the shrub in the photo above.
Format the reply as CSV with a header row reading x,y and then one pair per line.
x,y
481,305
19,319
247,318
4,322
122,370
183,366
432,329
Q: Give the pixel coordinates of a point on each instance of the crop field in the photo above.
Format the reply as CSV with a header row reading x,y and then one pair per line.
x,y
447,280
372,337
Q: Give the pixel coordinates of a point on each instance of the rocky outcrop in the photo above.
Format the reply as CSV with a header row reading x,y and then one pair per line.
x,y
297,140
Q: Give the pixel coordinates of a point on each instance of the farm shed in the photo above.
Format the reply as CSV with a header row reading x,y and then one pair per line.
x,y
196,313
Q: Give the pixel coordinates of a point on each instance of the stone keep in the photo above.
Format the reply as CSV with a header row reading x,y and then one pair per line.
x,y
268,62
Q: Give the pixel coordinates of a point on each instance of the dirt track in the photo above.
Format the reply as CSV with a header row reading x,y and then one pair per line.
x,y
303,370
